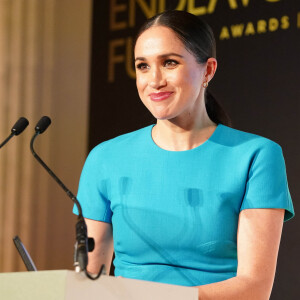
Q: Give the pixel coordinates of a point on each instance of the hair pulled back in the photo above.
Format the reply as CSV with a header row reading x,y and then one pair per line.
x,y
198,39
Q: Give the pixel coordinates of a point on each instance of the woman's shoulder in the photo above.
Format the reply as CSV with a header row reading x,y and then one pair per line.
x,y
123,141
237,138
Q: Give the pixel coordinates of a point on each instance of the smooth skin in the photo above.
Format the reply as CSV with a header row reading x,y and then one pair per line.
x,y
164,65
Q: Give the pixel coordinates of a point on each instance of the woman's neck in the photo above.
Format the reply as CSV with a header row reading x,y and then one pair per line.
x,y
180,135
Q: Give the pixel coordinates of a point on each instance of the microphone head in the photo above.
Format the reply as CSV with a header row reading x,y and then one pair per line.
x,y
20,125
42,124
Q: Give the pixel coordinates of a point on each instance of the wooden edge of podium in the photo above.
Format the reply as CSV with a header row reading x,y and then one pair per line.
x,y
65,284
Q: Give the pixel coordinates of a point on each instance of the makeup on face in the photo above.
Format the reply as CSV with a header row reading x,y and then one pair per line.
x,y
167,74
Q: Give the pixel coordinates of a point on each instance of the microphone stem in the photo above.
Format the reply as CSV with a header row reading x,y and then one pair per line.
x,y
7,139
81,246
69,193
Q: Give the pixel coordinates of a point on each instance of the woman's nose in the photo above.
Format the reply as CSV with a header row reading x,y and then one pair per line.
x,y
157,79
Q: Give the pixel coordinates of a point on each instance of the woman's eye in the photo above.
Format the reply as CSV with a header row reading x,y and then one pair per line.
x,y
142,66
170,63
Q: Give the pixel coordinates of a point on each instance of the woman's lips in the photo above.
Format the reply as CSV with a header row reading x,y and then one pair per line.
x,y
160,96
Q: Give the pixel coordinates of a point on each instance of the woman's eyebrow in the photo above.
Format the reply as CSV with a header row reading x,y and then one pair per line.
x,y
161,56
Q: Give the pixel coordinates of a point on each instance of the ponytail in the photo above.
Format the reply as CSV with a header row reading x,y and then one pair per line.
x,y
215,111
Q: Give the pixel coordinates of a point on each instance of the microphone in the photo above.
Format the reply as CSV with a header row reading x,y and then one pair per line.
x,y
18,128
83,243
42,124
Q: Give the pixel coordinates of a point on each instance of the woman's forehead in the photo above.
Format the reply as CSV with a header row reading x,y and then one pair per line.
x,y
158,40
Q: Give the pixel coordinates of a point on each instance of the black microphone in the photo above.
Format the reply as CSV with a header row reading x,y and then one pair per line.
x,y
83,243
18,128
42,124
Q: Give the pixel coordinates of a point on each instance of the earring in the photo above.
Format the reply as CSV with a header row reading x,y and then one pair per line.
x,y
205,84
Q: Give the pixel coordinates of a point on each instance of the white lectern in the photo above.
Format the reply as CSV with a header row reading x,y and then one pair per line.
x,y
67,285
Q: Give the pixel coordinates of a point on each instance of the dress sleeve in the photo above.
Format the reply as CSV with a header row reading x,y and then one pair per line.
x,y
267,185
93,188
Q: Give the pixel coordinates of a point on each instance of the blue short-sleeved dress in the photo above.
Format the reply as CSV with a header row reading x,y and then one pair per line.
x,y
175,213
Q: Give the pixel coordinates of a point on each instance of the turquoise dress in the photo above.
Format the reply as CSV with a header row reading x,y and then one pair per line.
x,y
175,213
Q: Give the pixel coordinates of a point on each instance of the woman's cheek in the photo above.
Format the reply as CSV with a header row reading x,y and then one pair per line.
x,y
176,78
141,88
141,83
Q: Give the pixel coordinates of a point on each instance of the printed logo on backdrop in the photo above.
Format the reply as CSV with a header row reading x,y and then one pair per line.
x,y
123,18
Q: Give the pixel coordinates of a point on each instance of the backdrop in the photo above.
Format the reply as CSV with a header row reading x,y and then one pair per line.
x,y
257,82
44,70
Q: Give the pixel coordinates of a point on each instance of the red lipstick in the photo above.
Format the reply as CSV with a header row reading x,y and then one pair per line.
x,y
160,96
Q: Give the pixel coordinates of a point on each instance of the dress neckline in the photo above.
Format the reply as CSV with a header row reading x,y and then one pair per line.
x,y
201,146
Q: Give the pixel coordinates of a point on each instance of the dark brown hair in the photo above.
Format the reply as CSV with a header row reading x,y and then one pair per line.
x,y
198,39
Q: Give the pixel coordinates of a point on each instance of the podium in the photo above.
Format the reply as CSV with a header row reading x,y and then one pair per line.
x,y
67,285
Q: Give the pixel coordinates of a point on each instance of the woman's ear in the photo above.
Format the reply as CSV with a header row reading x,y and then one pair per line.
x,y
211,67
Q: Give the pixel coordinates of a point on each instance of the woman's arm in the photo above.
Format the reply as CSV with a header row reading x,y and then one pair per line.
x,y
258,239
103,251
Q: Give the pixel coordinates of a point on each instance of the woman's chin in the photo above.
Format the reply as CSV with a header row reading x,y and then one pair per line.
x,y
161,115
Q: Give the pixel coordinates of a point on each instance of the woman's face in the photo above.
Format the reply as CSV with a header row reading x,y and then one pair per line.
x,y
168,78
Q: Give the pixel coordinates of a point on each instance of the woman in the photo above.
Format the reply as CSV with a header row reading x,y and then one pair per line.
x,y
189,200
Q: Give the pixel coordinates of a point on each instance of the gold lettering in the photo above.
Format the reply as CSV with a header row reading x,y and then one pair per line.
x,y
273,0
114,9
211,6
201,10
197,11
233,3
113,58
249,29
224,35
273,24
181,5
298,20
237,30
129,59
285,22
261,26
162,5
149,11
245,2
